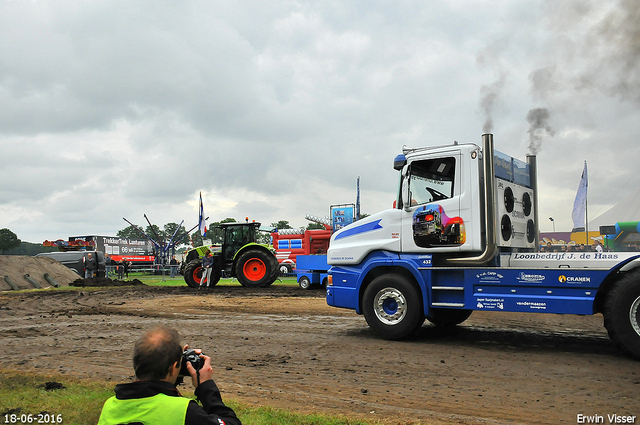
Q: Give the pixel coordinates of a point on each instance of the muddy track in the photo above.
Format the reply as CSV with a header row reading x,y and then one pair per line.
x,y
284,347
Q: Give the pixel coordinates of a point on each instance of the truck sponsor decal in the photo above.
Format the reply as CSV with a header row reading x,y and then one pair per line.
x,y
566,256
532,305
364,228
490,303
573,279
489,277
530,278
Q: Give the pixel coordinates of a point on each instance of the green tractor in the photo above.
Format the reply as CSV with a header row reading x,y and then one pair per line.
x,y
253,264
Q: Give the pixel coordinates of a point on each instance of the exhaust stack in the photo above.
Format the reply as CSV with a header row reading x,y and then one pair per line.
x,y
488,169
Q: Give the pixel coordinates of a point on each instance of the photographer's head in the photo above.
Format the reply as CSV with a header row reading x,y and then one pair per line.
x,y
155,354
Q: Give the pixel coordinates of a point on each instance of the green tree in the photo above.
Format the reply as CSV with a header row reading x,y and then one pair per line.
x,y
282,224
129,233
214,233
313,226
170,230
196,239
155,233
8,240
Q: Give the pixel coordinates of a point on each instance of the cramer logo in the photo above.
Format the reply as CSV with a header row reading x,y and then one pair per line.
x,y
573,279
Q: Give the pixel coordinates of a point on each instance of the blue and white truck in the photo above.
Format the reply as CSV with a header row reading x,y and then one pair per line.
x,y
463,236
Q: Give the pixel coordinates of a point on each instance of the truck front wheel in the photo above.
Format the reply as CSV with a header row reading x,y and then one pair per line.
x,y
392,307
256,269
622,313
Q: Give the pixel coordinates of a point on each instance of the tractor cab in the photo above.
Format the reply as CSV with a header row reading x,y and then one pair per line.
x,y
236,235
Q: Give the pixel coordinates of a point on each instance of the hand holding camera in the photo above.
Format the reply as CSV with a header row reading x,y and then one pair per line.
x,y
196,365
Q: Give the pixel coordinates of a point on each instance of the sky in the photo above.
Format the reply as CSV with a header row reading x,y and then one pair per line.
x,y
113,109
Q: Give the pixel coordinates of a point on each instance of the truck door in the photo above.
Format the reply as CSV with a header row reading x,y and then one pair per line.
x,y
431,216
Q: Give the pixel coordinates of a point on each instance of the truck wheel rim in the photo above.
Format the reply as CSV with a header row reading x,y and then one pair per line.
x,y
633,315
254,269
390,306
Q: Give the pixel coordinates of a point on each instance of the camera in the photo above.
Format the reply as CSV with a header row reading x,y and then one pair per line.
x,y
192,357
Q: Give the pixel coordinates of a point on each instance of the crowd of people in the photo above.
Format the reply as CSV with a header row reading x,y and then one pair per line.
x,y
120,268
596,247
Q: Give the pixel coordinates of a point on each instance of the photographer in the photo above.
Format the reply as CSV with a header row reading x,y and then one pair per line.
x,y
154,398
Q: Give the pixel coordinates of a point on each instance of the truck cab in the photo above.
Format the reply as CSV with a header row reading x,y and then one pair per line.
x,y
463,236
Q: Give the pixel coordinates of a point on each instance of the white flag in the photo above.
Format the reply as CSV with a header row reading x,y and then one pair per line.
x,y
201,220
580,204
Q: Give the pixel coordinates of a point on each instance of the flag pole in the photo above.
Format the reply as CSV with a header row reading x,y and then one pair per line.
x,y
586,209
586,218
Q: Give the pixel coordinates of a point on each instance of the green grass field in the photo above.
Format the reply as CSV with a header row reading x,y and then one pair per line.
x,y
159,280
28,398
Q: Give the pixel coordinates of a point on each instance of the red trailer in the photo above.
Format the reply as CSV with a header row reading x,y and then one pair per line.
x,y
290,243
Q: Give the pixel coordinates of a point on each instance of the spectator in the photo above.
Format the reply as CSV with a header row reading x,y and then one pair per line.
x,y
207,265
597,246
121,267
154,399
173,264
90,266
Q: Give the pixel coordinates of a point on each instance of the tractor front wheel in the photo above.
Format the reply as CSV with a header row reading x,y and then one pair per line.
x,y
256,269
193,273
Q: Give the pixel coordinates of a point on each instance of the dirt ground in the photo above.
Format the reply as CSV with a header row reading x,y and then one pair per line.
x,y
16,267
284,347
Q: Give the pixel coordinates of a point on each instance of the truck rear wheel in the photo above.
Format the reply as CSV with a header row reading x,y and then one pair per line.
x,y
392,307
622,313
193,273
256,269
448,318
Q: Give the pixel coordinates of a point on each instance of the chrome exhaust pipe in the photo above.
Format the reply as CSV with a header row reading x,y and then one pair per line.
x,y
489,192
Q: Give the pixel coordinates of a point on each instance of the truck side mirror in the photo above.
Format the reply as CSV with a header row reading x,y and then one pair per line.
x,y
406,193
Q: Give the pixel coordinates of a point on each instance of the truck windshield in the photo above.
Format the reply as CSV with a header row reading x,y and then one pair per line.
x,y
432,180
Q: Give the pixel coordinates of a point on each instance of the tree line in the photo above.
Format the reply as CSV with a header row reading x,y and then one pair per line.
x,y
214,233
11,245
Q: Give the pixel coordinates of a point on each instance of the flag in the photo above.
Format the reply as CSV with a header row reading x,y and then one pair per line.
x,y
202,225
358,199
580,204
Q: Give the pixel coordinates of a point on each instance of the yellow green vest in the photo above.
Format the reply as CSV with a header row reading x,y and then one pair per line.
x,y
160,409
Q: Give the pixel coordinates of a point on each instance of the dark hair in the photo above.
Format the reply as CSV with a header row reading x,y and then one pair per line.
x,y
156,352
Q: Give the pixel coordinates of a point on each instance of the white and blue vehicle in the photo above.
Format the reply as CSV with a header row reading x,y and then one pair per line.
x,y
480,252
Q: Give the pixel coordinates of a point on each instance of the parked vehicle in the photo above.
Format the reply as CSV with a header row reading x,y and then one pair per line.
x,y
75,260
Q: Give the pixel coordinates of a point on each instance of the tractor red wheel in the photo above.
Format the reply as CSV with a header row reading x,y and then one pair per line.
x,y
255,268
193,273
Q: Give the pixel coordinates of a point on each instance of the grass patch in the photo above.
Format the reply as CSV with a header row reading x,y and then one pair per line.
x,y
79,402
158,280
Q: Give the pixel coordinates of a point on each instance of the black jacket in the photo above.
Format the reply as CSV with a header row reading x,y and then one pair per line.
x,y
212,411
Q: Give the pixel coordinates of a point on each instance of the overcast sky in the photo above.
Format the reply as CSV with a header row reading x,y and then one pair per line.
x,y
272,109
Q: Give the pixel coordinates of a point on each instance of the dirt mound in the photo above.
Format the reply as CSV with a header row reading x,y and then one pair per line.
x,y
104,281
15,267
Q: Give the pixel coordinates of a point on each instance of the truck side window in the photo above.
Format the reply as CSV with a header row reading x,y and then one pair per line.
x,y
432,180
